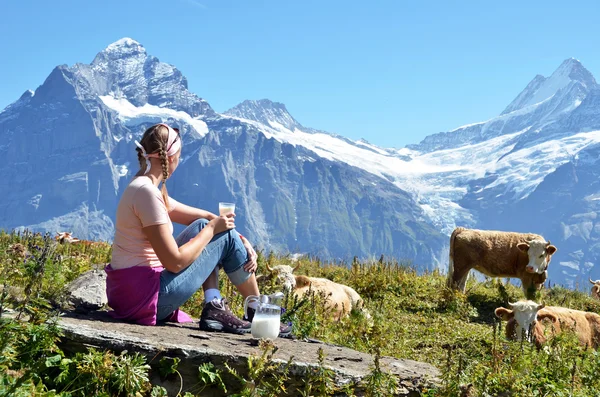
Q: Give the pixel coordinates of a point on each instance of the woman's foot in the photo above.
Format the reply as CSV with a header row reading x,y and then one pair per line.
x,y
217,317
285,330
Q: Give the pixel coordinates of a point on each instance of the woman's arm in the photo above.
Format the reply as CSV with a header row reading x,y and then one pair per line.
x,y
185,214
174,258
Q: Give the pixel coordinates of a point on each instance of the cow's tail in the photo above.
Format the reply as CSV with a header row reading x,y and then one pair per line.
x,y
450,283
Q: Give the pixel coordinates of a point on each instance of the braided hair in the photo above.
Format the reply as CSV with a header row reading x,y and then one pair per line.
x,y
154,140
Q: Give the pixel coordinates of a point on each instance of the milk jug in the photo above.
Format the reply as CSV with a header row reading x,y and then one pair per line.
x,y
267,316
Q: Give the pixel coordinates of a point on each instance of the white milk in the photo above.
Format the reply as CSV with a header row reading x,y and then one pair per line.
x,y
224,210
265,326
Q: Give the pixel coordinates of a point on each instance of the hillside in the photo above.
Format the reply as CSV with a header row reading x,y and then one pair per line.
x,y
414,317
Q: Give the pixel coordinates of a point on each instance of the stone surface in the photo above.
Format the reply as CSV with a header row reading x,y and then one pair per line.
x,y
195,347
88,291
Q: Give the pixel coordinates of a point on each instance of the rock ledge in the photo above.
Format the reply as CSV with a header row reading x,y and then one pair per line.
x,y
195,347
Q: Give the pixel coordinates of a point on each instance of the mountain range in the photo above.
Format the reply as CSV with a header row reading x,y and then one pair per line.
x,y
70,153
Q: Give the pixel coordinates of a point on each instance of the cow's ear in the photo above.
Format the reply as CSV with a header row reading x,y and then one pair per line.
x,y
504,313
547,315
550,249
302,281
523,247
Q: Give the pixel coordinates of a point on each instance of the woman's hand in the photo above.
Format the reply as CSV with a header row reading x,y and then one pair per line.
x,y
252,264
223,223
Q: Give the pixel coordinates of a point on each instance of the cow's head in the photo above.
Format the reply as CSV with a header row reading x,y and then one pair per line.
x,y
539,252
65,237
525,315
595,288
284,275
62,235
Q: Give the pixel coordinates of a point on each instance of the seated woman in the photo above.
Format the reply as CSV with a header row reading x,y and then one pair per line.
x,y
151,273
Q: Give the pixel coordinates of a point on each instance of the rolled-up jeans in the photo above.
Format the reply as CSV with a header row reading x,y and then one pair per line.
x,y
225,248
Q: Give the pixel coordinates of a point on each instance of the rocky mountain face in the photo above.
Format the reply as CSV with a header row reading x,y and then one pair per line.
x,y
533,168
72,143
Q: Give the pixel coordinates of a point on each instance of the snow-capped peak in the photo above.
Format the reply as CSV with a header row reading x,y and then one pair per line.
x,y
266,112
123,48
123,44
575,71
542,88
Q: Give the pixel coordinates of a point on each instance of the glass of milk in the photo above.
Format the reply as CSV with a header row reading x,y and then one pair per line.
x,y
226,208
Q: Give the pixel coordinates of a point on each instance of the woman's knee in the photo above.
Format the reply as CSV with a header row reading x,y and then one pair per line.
x,y
237,240
191,231
235,234
198,225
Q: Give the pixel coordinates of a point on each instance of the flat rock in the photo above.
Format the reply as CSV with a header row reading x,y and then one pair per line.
x,y
195,347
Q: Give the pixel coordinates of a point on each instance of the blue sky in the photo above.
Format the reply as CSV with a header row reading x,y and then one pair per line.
x,y
391,72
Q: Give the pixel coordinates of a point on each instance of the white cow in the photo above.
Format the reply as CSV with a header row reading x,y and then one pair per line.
x,y
341,298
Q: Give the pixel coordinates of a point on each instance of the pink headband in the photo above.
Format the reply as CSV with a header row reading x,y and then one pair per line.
x,y
173,146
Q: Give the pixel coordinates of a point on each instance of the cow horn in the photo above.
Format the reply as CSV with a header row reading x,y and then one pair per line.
x,y
296,267
268,267
541,306
592,281
510,304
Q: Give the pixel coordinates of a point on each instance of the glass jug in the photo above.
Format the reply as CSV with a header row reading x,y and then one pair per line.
x,y
267,316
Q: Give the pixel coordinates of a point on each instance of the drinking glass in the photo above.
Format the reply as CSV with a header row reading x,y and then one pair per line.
x,y
226,208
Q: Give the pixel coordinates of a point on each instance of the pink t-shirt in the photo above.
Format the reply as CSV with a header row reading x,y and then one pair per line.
x,y
141,205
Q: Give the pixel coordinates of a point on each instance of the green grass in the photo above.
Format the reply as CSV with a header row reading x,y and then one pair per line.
x,y
414,316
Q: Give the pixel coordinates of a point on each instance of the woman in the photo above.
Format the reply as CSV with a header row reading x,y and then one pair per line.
x,y
151,273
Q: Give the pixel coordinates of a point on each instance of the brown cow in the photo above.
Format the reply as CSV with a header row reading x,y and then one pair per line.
x,y
67,238
595,292
527,315
340,298
498,254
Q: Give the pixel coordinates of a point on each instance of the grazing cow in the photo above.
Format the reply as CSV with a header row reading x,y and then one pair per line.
x,y
595,292
67,238
341,298
498,254
527,316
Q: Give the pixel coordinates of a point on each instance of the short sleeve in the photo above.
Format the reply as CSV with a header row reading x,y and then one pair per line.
x,y
172,203
149,206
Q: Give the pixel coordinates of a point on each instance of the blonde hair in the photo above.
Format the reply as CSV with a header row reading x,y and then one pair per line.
x,y
155,140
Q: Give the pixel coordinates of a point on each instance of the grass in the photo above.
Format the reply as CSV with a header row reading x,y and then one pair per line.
x,y
414,316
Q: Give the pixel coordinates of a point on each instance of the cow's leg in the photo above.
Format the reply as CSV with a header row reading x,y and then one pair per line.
x,y
462,283
529,288
450,275
531,283
459,278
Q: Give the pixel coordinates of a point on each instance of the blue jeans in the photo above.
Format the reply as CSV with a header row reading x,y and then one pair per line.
x,y
225,248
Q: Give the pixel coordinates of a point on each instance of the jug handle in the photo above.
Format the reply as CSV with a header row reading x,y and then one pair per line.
x,y
249,298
